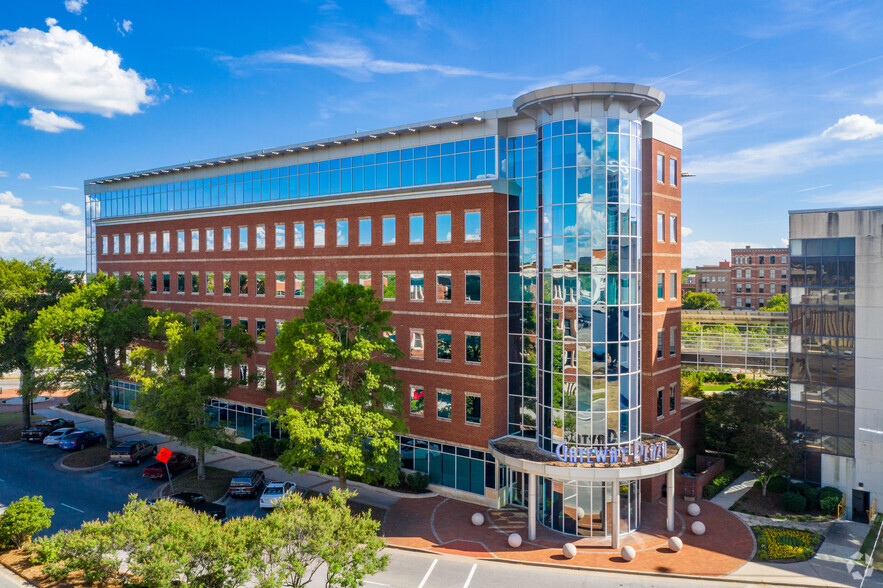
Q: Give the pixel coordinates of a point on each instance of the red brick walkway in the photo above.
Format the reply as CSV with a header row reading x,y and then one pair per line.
x,y
444,526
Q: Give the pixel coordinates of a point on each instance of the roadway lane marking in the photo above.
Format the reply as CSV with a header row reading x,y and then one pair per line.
x,y
72,508
429,571
469,577
374,583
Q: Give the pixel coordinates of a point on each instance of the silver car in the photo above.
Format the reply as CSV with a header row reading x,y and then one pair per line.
x,y
55,436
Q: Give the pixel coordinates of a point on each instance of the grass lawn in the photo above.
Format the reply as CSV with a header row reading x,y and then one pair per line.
x,y
868,544
213,487
778,406
716,387
87,458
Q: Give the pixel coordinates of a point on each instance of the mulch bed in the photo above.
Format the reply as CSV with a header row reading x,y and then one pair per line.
x,y
19,562
87,458
754,502
10,432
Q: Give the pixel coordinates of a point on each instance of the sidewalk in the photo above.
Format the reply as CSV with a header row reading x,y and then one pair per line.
x,y
736,490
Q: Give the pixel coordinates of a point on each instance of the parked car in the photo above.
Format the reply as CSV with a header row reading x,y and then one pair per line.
x,y
275,491
39,431
196,502
54,437
132,452
80,440
178,462
247,483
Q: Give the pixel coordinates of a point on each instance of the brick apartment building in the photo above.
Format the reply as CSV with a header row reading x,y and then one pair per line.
x,y
510,246
757,275
715,279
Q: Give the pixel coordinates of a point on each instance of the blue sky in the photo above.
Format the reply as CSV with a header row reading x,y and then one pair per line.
x,y
781,102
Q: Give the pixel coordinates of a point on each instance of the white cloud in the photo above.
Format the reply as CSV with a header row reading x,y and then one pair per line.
x,y
32,235
709,252
8,199
68,209
125,27
4,174
855,127
407,7
50,122
62,69
62,188
24,176
686,231
75,6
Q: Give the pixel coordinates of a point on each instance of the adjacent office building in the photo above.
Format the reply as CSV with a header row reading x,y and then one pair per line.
x,y
530,256
836,314
756,276
715,279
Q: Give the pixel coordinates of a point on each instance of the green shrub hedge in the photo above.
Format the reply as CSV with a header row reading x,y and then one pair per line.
x,y
828,505
719,483
794,502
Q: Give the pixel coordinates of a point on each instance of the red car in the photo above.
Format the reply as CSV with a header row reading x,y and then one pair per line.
x,y
178,462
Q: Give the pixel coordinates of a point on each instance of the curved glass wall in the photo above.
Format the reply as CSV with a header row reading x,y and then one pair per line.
x,y
586,508
588,311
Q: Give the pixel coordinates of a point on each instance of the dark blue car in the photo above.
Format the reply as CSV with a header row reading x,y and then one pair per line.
x,y
81,440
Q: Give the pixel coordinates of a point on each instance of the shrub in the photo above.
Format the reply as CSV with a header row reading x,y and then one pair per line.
x,y
828,505
719,483
793,502
828,491
244,447
263,446
23,518
416,481
281,446
777,484
799,488
812,497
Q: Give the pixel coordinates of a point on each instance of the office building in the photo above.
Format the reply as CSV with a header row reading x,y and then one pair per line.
x,y
757,275
715,279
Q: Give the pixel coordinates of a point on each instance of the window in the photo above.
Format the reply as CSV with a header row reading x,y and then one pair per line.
x,y
672,389
244,324
166,241
209,239
748,303
417,343
416,401
660,341
738,273
127,243
166,282
343,277
416,228
760,288
783,289
660,285
473,348
210,283
343,233
153,281
739,287
443,404
260,237
365,279
318,281
760,259
194,283
473,287
299,238
660,167
389,286
673,286
116,244
298,284
389,230
673,171
443,345
180,241
243,283
261,327
243,374
443,286
152,243
761,273
364,231
417,287
228,323
673,228
472,226
262,377
181,283
104,249
243,238
260,283
319,234
194,240
660,226
739,302
280,284
227,238
673,341
784,275
659,403
473,409
279,235
748,273
141,280
443,227
228,283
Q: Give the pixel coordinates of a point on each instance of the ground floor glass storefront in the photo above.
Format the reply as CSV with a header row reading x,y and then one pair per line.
x,y
462,468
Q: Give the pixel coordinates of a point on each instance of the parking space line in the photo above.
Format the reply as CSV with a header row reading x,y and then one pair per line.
x,y
374,583
73,508
429,571
469,577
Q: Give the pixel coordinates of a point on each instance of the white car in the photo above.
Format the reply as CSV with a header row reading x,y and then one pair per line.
x,y
55,436
274,491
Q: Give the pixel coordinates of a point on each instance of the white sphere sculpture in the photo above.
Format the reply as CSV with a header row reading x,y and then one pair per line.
x,y
698,528
580,513
569,550
628,553
675,544
693,509
514,540
478,519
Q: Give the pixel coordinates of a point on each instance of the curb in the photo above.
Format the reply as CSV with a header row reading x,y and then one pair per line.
x,y
18,577
60,466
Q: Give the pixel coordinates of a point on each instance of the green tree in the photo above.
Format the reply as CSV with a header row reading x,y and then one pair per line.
x,y
700,301
23,518
84,336
179,380
340,401
26,288
777,303
727,415
767,451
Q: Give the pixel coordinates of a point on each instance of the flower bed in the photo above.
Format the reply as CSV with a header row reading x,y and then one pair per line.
x,y
785,545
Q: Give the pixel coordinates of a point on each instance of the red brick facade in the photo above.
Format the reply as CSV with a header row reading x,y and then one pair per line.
x,y
757,275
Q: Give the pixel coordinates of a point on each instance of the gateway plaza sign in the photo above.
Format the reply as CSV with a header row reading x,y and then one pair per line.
x,y
612,454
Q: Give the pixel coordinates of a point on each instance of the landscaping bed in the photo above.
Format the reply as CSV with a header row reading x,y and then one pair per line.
x,y
95,455
214,487
778,504
782,545
10,425
19,561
